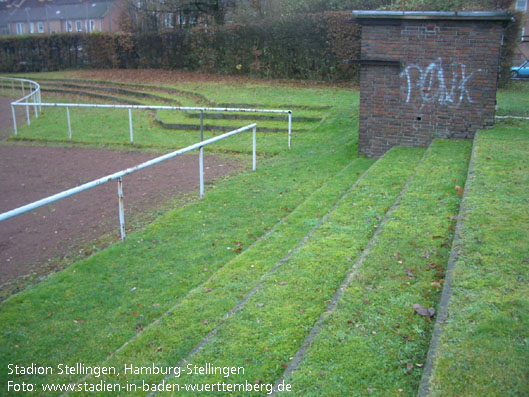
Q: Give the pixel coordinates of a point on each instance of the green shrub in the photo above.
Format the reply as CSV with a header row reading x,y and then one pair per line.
x,y
309,46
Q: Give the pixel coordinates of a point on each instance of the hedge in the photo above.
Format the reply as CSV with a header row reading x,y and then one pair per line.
x,y
300,46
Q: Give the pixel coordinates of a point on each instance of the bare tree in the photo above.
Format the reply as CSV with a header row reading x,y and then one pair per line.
x,y
158,15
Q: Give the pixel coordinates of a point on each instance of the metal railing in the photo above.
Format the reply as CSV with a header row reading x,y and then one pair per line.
x,y
68,106
33,95
119,177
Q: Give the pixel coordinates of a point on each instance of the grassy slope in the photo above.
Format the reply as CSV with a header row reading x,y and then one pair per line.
x,y
374,344
111,126
99,303
93,125
484,347
273,322
514,100
205,307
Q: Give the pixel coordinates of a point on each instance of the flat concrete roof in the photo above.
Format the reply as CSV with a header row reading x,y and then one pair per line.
x,y
436,15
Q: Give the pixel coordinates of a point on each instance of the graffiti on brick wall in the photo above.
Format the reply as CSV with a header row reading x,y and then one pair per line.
x,y
431,85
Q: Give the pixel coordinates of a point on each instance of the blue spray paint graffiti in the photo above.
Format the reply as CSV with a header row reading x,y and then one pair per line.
x,y
432,86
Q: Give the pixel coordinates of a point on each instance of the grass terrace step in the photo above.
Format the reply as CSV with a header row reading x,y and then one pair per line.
x,y
373,342
204,308
110,98
98,304
263,106
84,89
273,322
218,127
256,117
111,127
196,97
484,342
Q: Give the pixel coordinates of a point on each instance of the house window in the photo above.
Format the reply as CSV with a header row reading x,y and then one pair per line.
x,y
40,27
521,5
78,26
169,20
31,28
181,19
20,28
90,26
69,26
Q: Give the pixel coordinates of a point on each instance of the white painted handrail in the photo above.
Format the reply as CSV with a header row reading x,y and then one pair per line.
x,y
37,103
120,174
34,95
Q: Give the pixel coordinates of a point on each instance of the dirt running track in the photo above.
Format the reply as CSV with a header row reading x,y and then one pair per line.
x,y
29,241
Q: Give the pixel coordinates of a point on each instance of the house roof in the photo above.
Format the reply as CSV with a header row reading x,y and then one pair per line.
x,y
3,18
37,10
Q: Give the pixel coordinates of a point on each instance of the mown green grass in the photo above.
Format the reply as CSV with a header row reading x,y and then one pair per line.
x,y
374,343
273,323
190,267
514,100
484,346
111,126
205,307
99,303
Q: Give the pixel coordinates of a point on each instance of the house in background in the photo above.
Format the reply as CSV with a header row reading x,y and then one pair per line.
x,y
522,52
19,17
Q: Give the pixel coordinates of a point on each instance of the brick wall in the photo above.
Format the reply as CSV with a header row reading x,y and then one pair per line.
x,y
444,86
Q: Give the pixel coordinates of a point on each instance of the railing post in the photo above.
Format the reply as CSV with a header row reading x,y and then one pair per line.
x,y
201,171
35,105
289,129
254,148
27,112
130,126
69,124
14,119
201,125
23,92
121,209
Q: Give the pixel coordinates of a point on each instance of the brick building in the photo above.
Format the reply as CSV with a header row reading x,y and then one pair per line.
x,y
426,75
19,17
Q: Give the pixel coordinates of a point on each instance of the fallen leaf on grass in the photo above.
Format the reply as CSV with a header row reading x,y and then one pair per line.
x,y
459,190
422,311
410,274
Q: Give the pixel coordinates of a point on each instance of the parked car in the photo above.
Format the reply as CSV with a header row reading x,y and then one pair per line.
x,y
520,71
